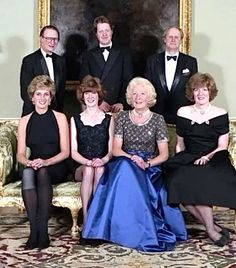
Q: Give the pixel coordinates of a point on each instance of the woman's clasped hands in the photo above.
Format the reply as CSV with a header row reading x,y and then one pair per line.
x,y
37,163
95,162
202,161
139,161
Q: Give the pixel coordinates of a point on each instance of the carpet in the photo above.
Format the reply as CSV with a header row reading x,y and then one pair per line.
x,y
66,251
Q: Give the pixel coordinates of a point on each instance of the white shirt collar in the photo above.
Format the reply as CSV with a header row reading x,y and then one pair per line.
x,y
168,54
44,53
109,45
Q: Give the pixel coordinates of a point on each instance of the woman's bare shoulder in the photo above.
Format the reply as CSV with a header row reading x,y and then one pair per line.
x,y
218,111
185,111
59,115
61,118
24,120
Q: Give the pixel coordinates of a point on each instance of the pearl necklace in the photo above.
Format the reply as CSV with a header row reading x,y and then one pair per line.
x,y
141,114
202,112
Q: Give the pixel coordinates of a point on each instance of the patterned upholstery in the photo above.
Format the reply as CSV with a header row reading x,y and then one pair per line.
x,y
172,138
66,194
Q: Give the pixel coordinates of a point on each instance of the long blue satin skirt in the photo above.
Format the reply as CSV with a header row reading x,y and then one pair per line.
x,y
130,208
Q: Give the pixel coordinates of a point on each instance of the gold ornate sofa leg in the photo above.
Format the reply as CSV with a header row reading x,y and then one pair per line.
x,y
75,227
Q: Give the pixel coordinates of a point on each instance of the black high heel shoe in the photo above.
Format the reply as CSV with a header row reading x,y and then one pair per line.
x,y
44,242
222,241
224,231
31,242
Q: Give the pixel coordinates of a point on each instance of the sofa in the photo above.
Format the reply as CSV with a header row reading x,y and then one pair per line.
x,y
66,194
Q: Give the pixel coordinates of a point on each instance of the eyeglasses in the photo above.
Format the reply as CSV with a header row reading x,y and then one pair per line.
x,y
50,39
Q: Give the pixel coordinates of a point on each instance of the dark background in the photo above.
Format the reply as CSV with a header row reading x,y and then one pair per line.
x,y
139,25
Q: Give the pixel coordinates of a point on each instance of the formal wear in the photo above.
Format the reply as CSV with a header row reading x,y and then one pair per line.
x,y
45,144
129,207
211,184
35,64
115,72
43,139
92,140
170,97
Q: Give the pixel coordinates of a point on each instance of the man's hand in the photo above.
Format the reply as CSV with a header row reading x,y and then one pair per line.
x,y
105,107
115,108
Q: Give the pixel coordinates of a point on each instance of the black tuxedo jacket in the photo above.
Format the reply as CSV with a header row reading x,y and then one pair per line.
x,y
169,101
115,73
34,64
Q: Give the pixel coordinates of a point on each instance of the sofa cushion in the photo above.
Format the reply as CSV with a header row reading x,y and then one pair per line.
x,y
8,143
69,188
172,138
12,189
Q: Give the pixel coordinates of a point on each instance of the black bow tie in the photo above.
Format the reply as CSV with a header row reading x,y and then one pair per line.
x,y
108,48
172,57
48,56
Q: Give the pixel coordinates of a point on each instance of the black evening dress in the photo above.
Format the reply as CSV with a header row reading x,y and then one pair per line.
x,y
93,140
210,184
42,137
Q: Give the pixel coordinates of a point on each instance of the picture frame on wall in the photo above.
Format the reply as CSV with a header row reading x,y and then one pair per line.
x,y
138,25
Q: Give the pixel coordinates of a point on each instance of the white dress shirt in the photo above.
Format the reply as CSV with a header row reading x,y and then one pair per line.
x,y
106,52
49,65
170,68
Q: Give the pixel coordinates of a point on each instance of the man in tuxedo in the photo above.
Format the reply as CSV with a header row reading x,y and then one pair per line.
x,y
111,64
169,72
44,61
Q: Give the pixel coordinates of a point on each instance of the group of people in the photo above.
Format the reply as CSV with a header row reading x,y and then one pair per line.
x,y
131,189
168,71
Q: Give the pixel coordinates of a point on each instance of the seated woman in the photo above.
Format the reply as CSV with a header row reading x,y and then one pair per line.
x,y
129,206
200,175
91,138
46,133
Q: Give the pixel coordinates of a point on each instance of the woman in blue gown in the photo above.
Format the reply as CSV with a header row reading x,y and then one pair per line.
x,y
129,206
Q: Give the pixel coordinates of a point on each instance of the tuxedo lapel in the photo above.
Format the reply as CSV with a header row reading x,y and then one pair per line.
x,y
161,70
114,53
43,63
179,68
56,70
98,56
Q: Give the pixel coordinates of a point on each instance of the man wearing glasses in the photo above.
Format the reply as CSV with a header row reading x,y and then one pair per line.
x,y
44,61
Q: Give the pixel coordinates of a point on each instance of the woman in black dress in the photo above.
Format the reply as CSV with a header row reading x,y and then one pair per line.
x,y
200,175
46,133
91,138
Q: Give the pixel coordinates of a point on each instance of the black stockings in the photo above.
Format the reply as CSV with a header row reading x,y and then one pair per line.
x,y
37,195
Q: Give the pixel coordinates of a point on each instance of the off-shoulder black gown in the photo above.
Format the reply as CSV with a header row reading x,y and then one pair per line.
x,y
210,184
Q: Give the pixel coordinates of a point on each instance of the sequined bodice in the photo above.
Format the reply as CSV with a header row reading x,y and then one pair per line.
x,y
140,137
